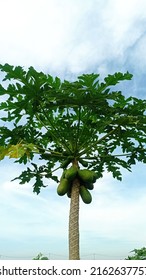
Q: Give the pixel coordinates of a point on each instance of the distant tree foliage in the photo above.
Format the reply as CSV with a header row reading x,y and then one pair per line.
x,y
40,256
139,254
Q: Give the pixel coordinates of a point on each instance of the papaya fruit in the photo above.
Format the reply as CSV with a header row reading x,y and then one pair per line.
x,y
66,162
69,190
89,186
94,176
83,162
63,187
69,193
63,174
87,176
71,173
85,195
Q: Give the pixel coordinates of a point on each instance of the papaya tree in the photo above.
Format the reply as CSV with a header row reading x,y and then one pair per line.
x,y
82,127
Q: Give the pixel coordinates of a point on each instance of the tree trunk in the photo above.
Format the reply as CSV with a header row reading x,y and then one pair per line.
x,y
74,222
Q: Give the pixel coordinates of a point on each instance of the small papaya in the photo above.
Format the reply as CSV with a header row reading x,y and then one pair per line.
x,y
63,174
95,176
69,194
83,162
87,176
85,195
71,173
66,162
69,190
89,186
63,187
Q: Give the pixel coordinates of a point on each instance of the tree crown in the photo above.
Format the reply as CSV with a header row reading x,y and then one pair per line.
x,y
61,121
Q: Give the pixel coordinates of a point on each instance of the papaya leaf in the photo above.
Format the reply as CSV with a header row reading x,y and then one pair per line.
x,y
18,150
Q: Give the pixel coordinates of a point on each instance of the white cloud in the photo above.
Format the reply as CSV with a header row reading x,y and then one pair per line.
x,y
70,36
137,58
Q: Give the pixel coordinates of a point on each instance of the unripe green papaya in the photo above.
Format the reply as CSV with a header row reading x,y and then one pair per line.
x,y
94,176
89,186
65,163
69,193
85,195
83,162
63,187
63,174
69,190
87,176
71,173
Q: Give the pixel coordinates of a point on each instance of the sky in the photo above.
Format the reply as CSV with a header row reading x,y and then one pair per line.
x,y
65,39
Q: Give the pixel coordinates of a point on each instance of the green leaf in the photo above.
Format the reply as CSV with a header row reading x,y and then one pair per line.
x,y
114,79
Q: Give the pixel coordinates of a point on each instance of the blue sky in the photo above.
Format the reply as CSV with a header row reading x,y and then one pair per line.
x,y
68,38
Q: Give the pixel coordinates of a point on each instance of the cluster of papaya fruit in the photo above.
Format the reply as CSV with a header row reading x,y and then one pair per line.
x,y
86,177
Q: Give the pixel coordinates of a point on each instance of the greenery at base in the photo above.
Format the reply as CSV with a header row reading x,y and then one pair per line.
x,y
40,256
139,254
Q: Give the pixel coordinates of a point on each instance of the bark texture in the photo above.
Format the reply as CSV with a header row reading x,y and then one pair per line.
x,y
74,222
